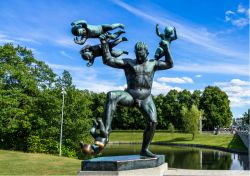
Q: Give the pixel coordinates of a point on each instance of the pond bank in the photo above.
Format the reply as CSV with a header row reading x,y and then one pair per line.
x,y
188,145
226,142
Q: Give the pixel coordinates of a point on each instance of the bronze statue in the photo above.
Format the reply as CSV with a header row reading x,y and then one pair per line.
x,y
139,74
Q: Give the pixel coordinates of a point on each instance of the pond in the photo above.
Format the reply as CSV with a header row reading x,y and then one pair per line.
x,y
187,157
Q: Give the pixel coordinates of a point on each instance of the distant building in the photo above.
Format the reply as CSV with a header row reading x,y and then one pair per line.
x,y
238,122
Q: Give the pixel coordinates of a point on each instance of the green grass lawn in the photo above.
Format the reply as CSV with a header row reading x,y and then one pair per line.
x,y
19,163
222,140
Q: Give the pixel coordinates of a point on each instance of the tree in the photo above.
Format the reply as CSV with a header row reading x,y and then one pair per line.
x,y
171,109
65,81
215,104
171,127
185,98
159,104
196,96
190,119
246,117
22,79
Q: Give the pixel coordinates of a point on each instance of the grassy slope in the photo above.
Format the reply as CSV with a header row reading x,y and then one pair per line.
x,y
19,163
222,140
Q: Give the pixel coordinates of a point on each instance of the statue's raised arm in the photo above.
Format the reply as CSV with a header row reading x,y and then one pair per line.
x,y
107,58
168,63
174,37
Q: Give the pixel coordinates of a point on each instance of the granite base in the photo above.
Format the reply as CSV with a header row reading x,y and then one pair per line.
x,y
120,163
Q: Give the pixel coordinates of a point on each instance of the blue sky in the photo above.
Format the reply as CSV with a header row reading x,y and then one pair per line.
x,y
212,46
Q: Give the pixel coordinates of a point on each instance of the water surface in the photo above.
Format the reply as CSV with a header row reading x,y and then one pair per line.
x,y
186,157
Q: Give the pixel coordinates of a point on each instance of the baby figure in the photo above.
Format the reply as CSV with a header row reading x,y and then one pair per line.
x,y
100,137
81,29
89,53
166,38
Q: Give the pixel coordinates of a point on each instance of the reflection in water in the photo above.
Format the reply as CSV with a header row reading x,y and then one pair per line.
x,y
187,157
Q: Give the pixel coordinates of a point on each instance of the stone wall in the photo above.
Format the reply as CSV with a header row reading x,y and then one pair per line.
x,y
244,135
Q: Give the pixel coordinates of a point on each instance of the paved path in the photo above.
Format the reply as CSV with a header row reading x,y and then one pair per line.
x,y
188,172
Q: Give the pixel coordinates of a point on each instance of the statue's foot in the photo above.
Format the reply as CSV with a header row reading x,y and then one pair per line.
x,y
121,26
125,52
124,39
121,32
147,153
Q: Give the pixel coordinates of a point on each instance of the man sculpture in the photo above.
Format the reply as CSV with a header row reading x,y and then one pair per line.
x,y
139,75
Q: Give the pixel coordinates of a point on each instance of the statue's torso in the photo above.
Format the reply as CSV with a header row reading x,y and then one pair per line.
x,y
140,78
94,31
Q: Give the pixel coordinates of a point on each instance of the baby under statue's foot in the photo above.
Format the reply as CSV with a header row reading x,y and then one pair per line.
x,y
86,148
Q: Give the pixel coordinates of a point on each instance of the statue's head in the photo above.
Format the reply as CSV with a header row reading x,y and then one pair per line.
x,y
86,53
168,30
141,52
79,28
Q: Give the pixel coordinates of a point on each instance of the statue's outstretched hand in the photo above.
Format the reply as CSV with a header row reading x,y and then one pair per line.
x,y
80,41
104,38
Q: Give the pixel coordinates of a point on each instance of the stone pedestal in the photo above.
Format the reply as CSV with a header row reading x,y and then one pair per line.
x,y
124,165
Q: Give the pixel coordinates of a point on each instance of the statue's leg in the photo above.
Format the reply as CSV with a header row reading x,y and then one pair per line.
x,y
116,34
106,27
116,53
93,129
101,127
159,53
114,43
117,41
114,98
149,111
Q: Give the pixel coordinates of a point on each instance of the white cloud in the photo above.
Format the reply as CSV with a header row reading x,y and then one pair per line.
x,y
66,42
198,76
239,18
222,68
89,79
229,12
233,82
162,88
195,34
66,55
177,80
4,38
98,85
105,86
241,9
237,90
241,22
240,82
